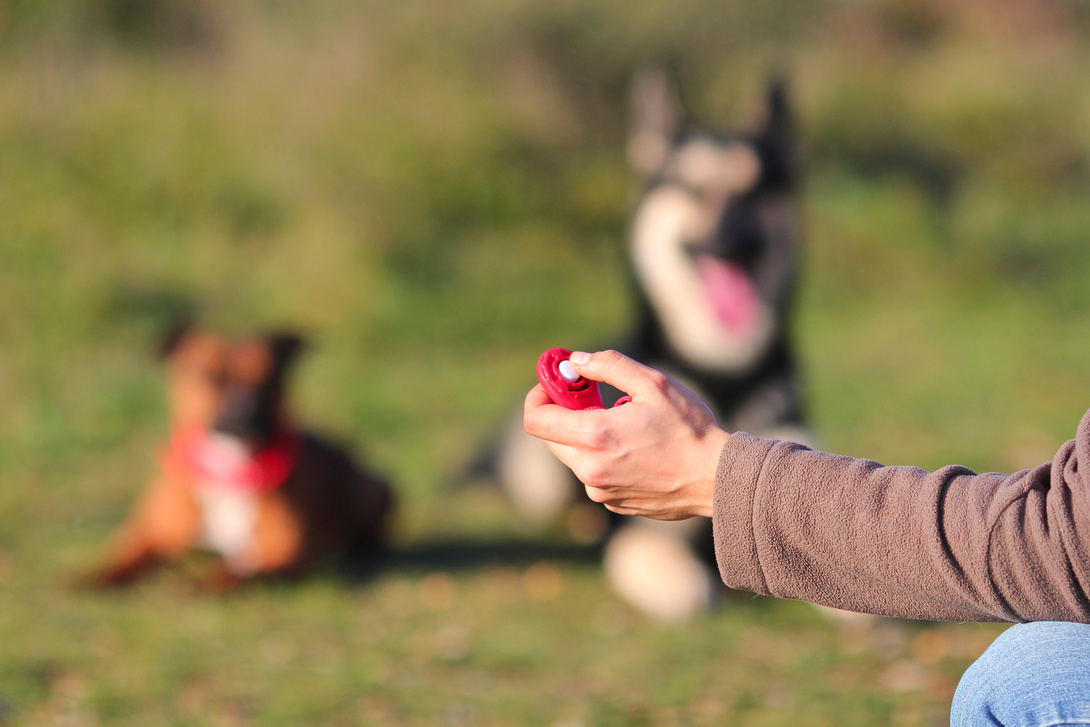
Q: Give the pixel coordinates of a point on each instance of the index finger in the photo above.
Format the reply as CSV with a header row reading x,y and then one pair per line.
x,y
552,422
537,397
621,372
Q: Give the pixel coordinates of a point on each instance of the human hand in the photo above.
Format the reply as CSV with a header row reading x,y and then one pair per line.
x,y
655,456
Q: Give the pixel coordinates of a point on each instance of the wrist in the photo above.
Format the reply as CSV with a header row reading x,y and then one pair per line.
x,y
712,448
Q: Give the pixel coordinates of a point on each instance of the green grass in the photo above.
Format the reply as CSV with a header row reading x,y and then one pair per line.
x,y
436,192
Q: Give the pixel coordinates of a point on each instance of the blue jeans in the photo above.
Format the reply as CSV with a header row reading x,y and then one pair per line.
x,y
1034,675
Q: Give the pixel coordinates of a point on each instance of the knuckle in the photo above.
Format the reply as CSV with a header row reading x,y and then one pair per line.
x,y
591,433
595,475
596,495
598,439
658,381
610,358
591,477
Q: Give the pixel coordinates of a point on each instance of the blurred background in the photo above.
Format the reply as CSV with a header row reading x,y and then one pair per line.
x,y
436,192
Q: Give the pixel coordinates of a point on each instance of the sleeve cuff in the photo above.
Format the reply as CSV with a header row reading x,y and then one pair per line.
x,y
736,481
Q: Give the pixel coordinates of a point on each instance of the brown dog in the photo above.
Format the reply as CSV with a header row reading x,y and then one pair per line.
x,y
237,478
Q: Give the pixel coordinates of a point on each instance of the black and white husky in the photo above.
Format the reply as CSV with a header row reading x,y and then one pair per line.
x,y
714,247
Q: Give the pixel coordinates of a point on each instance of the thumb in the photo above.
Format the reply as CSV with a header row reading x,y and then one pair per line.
x,y
618,371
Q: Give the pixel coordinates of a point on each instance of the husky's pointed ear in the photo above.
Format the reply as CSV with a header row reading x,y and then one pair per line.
x,y
172,337
654,119
778,124
777,129
286,347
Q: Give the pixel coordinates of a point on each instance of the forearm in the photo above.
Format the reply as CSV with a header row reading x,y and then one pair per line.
x,y
900,541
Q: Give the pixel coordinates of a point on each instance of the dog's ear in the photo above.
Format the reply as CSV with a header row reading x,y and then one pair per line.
x,y
172,337
286,347
776,132
654,119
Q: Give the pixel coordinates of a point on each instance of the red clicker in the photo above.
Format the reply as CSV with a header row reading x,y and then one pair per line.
x,y
564,386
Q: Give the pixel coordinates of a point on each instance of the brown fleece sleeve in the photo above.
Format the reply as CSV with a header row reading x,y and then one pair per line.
x,y
899,541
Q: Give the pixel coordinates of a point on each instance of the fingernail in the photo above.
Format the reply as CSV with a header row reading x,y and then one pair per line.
x,y
579,358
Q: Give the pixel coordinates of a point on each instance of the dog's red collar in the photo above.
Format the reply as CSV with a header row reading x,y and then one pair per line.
x,y
193,454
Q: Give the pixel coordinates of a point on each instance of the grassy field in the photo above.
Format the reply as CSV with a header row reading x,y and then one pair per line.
x,y
436,192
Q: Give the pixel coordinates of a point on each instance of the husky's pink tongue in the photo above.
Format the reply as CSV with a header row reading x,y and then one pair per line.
x,y
730,292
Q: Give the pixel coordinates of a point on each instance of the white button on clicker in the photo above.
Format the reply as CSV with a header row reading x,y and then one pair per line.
x,y
567,372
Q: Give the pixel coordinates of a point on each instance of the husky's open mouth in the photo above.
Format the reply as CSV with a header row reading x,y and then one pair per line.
x,y
730,292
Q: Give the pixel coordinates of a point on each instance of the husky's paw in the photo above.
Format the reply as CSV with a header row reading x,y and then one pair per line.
x,y
539,486
658,573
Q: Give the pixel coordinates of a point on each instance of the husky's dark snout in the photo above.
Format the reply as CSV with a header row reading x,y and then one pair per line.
x,y
738,236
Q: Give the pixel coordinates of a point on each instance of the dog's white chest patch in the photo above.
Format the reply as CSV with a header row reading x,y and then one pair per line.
x,y
228,517
667,220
